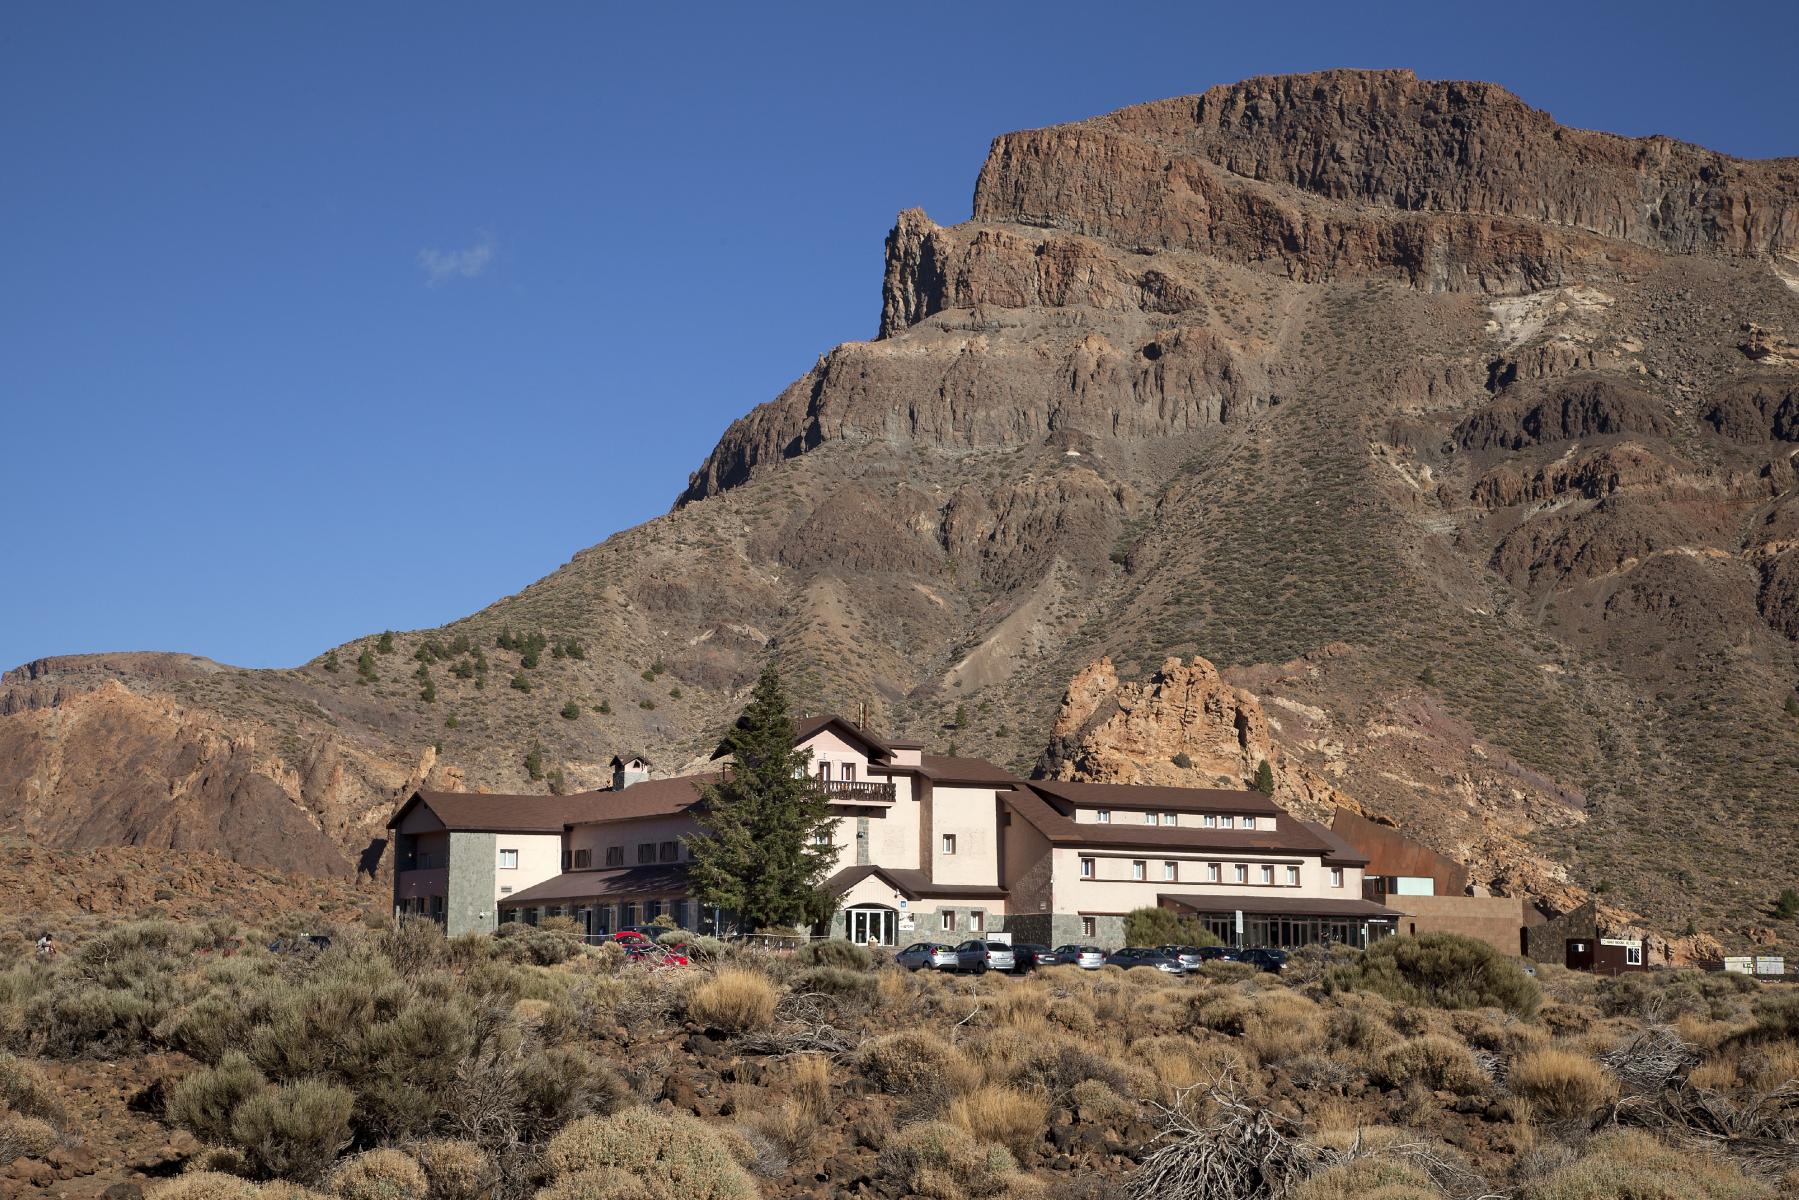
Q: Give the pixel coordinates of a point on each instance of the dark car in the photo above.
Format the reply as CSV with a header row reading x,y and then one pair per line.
x,y
1030,956
981,956
1088,958
935,956
1190,956
1265,958
1220,954
1146,956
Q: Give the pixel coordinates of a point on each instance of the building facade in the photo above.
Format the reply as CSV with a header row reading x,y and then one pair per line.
x,y
927,847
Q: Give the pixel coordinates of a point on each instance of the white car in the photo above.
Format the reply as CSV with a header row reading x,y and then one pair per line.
x,y
932,956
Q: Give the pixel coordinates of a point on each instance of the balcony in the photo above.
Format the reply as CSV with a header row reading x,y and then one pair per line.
x,y
842,791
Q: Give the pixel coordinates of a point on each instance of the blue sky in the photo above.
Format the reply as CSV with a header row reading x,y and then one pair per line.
x,y
319,319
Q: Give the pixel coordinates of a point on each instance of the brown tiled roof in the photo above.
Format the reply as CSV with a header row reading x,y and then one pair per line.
x,y
1171,799
484,811
1342,854
911,884
805,727
662,879
1283,906
1288,837
651,798
944,768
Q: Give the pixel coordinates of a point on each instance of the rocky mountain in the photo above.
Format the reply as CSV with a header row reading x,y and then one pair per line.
x,y
1460,440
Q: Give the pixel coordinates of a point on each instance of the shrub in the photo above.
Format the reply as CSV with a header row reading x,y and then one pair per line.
x,y
1369,1178
667,1148
24,1089
377,1175
1628,1165
25,1137
734,1000
1012,1118
835,952
1157,926
1777,1016
1443,970
944,1162
203,1102
455,1170
911,1061
835,981
1099,1104
1439,1063
1560,1083
206,1185
294,1130
74,1020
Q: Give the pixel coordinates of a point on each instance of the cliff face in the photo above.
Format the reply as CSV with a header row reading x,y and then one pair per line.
x,y
1460,441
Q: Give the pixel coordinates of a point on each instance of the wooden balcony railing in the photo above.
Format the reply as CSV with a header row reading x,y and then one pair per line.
x,y
857,791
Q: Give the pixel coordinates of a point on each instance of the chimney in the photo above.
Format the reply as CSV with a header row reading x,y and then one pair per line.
x,y
629,769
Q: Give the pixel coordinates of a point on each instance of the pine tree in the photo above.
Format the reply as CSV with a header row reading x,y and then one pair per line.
x,y
386,644
330,663
755,852
365,665
1264,778
1786,906
570,711
534,761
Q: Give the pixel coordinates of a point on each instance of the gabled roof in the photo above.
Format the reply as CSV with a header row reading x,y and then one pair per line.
x,y
651,798
1342,853
495,812
911,884
1168,799
806,727
946,769
621,760
1033,803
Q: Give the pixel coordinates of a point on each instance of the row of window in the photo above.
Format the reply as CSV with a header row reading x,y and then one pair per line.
x,y
1213,873
1209,821
977,920
605,918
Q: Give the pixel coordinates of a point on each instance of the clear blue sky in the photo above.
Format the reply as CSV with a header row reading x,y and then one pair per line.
x,y
318,319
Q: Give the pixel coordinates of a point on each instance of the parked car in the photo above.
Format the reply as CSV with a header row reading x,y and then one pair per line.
x,y
1220,954
936,956
1189,956
1146,956
649,954
1265,958
1088,958
648,933
982,956
1030,956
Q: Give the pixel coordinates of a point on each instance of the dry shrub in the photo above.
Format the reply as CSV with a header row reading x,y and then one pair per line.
x,y
1226,1145
1628,1165
1223,1011
793,1125
913,1061
455,1170
1437,1062
25,1137
1370,1179
1561,1084
204,1185
1361,1024
1720,1075
1443,970
941,1161
734,1000
1073,1013
377,1175
1491,1030
1014,1119
24,1089
295,1130
893,988
1098,1104
1282,1026
593,1156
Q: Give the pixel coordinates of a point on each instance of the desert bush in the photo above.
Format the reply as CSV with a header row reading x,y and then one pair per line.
x,y
293,1130
205,1185
455,1170
24,1089
1560,1083
1157,926
1282,1026
1663,996
911,1061
73,1020
25,1137
734,1000
1443,970
835,981
835,952
1073,1014
203,1102
1098,1104
670,1148
1777,1016
413,944
942,1161
1628,1165
1014,1119
556,1084
554,941
377,1175
1438,1062
1221,971
1370,1178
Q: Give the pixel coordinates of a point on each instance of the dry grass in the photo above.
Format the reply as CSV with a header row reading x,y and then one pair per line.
x,y
1561,1084
1627,1165
377,1175
1005,1115
1437,1062
734,1000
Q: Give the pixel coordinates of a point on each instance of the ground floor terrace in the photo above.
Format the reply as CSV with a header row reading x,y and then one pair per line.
x,y
1287,922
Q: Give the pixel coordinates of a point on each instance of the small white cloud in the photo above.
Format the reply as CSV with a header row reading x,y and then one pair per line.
x,y
441,266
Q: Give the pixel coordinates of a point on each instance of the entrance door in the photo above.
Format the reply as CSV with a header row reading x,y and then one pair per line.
x,y
870,922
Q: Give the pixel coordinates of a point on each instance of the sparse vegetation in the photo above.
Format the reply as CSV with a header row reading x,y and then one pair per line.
x,y
1444,970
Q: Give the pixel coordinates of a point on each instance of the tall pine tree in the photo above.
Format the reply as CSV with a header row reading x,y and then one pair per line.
x,y
757,852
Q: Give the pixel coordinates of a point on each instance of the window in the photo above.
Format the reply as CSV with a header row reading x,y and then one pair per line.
x,y
847,772
509,860
1227,822
583,859
949,843
1242,873
437,910
669,852
1089,927
530,916
1267,875
1249,822
555,910
1210,821
1633,954
1171,819
822,838
1336,876
615,856
824,772
646,852
1149,818
1170,871
505,891
947,920
1212,872
679,912
651,910
1103,816
1086,868
977,921
1137,867
1292,876
565,860
627,915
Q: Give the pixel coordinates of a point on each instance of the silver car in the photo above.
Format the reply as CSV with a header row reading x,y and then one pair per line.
x,y
1088,958
933,956
982,956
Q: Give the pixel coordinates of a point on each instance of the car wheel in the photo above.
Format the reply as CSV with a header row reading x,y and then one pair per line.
x,y
980,968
